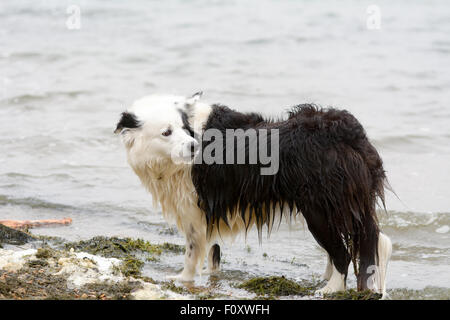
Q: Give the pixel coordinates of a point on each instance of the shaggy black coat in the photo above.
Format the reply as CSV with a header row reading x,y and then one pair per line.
x,y
328,171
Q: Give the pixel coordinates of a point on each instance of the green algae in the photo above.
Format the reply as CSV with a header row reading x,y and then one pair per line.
x,y
131,266
36,279
170,285
118,248
114,247
45,253
46,240
31,282
132,252
276,286
175,248
199,293
147,279
34,282
352,294
112,291
37,263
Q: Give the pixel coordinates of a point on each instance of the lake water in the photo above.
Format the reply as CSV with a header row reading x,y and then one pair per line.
x,y
62,91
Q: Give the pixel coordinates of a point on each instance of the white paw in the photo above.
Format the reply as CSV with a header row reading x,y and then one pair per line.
x,y
181,277
326,290
208,271
205,271
336,283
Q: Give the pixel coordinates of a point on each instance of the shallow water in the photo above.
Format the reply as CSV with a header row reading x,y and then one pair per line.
x,y
62,91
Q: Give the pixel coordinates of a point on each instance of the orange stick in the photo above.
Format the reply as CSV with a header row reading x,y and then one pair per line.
x,y
19,224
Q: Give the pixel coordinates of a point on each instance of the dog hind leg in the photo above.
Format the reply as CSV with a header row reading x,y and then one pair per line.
x,y
339,258
373,267
384,254
329,269
213,260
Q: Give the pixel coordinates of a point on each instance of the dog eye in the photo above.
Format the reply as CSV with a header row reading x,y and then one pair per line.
x,y
167,133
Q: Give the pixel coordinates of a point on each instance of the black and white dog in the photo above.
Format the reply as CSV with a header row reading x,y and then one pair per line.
x,y
327,171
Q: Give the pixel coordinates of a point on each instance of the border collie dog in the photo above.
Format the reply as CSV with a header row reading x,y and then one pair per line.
x,y
327,171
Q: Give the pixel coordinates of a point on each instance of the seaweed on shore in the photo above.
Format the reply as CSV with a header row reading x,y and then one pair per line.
x,y
49,240
352,294
175,248
131,266
114,247
170,285
115,291
35,280
121,247
132,252
272,287
39,278
276,286
200,292
44,253
32,282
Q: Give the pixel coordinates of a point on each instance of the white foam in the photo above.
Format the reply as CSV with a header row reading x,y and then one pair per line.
x,y
83,268
12,260
152,291
443,229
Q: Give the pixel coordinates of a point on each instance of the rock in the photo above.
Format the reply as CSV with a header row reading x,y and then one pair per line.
x,y
12,236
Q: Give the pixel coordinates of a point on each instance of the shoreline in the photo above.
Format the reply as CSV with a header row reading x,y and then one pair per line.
x,y
110,268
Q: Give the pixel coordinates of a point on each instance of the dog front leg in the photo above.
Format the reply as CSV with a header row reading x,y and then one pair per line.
x,y
194,256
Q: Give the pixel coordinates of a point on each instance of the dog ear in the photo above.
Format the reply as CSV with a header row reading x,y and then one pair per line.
x,y
195,97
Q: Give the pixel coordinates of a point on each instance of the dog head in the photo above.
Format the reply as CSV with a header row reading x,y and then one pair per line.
x,y
156,128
